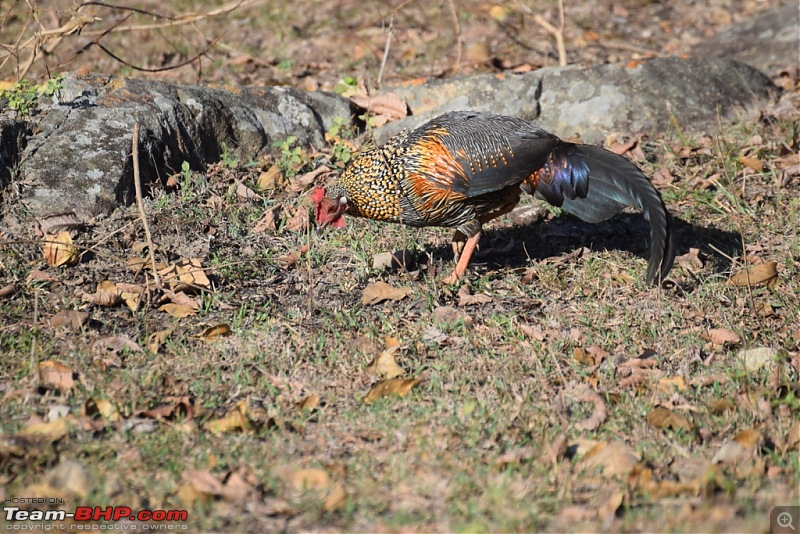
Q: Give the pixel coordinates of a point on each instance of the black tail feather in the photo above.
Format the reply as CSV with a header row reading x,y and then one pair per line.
x,y
614,184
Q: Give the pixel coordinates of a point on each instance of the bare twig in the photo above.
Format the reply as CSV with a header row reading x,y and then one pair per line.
x,y
157,69
35,372
188,19
454,15
558,33
137,183
385,52
44,42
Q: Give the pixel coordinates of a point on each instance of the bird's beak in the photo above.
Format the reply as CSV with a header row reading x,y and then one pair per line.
x,y
341,208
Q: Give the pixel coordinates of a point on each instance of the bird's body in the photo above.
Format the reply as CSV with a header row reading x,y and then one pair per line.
x,y
463,169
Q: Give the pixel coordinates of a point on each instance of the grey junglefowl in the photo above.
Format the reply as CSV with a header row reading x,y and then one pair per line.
x,y
463,169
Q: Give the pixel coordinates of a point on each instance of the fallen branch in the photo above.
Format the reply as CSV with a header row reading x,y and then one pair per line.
x,y
137,184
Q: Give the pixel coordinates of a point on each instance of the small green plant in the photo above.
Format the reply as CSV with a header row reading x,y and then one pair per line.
x,y
340,134
51,86
292,158
227,159
346,87
186,171
24,95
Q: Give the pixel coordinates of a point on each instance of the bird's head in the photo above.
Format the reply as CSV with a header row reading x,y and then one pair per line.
x,y
329,206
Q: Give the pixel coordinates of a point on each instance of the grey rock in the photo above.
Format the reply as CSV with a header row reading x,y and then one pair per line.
x,y
79,159
593,102
400,260
769,42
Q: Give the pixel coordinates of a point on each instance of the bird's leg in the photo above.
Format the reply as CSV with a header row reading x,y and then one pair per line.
x,y
463,261
459,239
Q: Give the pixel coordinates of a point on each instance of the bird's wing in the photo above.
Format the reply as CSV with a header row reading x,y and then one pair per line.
x,y
463,155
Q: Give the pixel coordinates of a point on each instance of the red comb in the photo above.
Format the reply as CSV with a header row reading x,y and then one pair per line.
x,y
317,194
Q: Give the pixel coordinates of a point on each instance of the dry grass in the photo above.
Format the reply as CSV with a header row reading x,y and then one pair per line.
x,y
573,398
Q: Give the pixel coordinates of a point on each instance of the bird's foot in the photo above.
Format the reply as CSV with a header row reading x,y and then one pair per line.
x,y
452,278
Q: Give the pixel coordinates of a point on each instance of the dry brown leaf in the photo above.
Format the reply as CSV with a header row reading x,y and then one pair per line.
x,y
392,387
184,275
662,178
214,332
580,356
57,375
555,450
179,311
722,336
639,363
107,294
131,294
764,273
690,261
52,431
607,509
238,485
739,449
384,365
672,383
621,148
59,250
8,290
102,407
189,496
40,276
203,481
615,458
299,222
598,354
115,345
272,178
156,339
599,414
71,318
721,406
301,182
752,163
245,193
172,408
390,105
748,438
59,222
233,420
311,478
662,417
179,297
138,265
336,499
308,404
269,221
293,257
379,291
448,315
466,298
